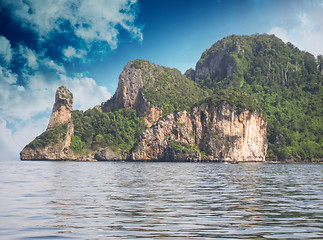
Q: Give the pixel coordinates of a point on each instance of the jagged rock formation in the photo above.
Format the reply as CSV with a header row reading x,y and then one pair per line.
x,y
153,91
62,109
216,61
220,133
54,143
57,150
129,94
185,122
107,155
207,132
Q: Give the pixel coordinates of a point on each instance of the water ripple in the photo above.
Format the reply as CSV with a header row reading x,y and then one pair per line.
x,y
68,200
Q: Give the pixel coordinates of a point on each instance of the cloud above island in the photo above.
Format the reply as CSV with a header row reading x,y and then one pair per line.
x,y
303,29
27,107
30,72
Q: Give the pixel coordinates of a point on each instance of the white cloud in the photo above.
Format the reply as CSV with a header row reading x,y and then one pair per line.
x,y
307,34
6,141
12,142
86,92
50,64
27,108
70,53
7,76
304,19
24,102
30,56
281,33
5,49
95,20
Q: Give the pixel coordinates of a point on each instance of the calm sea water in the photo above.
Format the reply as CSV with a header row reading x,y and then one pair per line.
x,y
121,200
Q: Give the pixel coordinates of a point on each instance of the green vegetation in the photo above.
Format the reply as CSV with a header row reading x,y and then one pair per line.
x,y
285,80
239,100
184,148
93,129
167,88
49,138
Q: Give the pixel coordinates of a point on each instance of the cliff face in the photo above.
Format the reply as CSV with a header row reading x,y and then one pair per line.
x,y
273,72
216,61
62,109
217,128
129,95
153,91
205,133
54,143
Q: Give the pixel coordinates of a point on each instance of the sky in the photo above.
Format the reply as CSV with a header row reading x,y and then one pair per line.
x,y
84,45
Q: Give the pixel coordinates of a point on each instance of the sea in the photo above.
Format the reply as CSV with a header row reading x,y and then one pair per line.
x,y
160,200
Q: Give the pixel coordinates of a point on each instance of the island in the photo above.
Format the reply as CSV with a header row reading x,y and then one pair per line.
x,y
237,105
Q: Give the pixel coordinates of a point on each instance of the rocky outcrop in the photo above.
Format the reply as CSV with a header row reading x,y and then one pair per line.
x,y
62,109
107,155
208,132
205,133
129,95
52,151
216,61
54,143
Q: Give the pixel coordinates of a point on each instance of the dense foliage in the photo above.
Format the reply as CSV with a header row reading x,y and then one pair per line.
x,y
287,81
167,88
118,130
239,100
49,138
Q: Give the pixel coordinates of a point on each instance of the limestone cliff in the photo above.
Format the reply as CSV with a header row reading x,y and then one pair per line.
x,y
225,127
153,91
54,143
206,133
62,109
129,94
216,62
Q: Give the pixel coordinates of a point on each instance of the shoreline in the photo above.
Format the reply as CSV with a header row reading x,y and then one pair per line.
x,y
271,161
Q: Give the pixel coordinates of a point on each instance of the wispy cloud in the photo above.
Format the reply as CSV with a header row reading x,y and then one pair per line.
x,y
5,50
26,108
71,53
30,56
304,20
12,141
90,21
30,75
42,76
307,32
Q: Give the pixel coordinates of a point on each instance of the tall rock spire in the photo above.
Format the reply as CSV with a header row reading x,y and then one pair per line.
x,y
62,109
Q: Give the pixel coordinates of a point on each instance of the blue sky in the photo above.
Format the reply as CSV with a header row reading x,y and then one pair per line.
x,y
85,45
